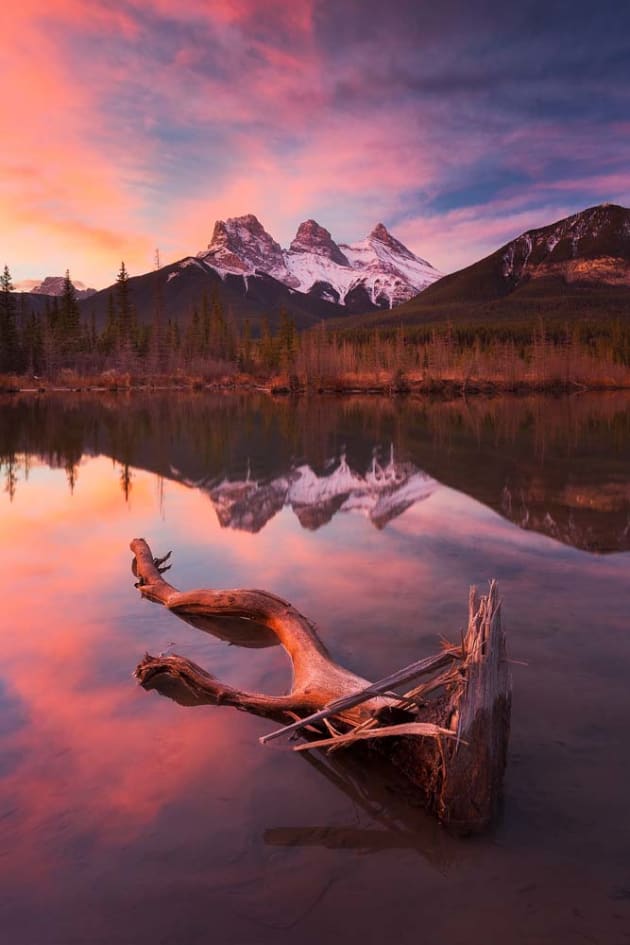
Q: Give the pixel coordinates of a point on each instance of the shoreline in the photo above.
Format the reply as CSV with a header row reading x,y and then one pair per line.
x,y
444,389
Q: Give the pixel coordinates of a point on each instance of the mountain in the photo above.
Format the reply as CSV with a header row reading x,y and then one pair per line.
x,y
254,277
53,285
179,288
578,266
378,272
242,246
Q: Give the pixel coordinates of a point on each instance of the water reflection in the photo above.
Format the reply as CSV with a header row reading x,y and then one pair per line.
x,y
558,466
127,818
395,820
383,493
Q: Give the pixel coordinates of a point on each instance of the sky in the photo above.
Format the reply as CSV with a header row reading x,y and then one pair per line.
x,y
132,125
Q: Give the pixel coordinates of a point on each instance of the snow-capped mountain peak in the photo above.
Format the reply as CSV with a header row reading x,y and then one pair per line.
x,y
381,234
378,272
313,238
242,245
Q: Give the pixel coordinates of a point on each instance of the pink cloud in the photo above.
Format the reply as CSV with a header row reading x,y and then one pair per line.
x,y
60,183
139,126
452,236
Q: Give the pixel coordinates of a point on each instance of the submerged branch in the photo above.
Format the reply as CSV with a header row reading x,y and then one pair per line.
x,y
452,747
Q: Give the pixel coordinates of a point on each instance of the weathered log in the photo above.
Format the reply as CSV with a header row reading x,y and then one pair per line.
x,y
449,736
317,679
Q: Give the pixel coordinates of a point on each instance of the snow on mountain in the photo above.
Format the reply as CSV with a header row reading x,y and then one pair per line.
x,y
594,242
393,272
53,285
378,271
241,245
315,239
382,494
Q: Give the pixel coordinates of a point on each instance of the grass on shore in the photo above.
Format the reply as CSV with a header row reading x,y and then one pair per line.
x,y
391,363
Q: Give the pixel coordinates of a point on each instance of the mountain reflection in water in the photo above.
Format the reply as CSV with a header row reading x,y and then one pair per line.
x,y
382,494
127,818
558,466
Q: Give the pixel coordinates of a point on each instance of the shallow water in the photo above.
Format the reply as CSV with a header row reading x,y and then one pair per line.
x,y
125,818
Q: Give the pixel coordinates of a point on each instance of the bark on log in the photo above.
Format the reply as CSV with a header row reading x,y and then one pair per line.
x,y
449,736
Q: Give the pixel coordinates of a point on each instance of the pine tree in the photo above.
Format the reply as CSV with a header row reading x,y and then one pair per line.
x,y
68,329
9,350
218,328
267,348
49,342
192,338
206,321
110,336
33,344
122,295
230,345
157,342
126,320
287,340
245,347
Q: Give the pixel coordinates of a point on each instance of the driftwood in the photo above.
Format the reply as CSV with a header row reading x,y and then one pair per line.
x,y
448,735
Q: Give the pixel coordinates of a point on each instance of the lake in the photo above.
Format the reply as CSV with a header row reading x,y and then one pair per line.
x,y
127,819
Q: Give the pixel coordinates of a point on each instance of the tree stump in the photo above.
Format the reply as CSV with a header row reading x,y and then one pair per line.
x,y
448,735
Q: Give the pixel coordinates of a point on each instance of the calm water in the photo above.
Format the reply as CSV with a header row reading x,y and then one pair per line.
x,y
126,819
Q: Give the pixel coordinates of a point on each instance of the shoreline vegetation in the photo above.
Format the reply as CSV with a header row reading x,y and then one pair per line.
x,y
290,385
58,349
321,362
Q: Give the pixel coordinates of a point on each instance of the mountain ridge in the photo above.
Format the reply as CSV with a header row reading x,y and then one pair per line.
x,y
248,271
377,272
53,286
576,266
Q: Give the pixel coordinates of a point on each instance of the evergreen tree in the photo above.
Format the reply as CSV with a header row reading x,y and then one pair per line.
x,y
193,338
9,350
122,294
287,339
127,334
218,328
68,328
157,340
33,344
267,348
49,341
93,334
245,347
125,309
206,321
110,336
230,346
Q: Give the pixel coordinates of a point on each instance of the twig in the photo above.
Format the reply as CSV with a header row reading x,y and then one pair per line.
x,y
419,668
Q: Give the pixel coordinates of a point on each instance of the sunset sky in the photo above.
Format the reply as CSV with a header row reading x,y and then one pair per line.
x,y
134,124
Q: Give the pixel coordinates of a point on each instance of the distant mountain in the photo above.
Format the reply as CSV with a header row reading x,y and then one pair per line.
x,y
378,272
254,277
576,266
53,285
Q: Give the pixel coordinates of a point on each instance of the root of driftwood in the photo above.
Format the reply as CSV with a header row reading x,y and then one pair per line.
x,y
448,735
